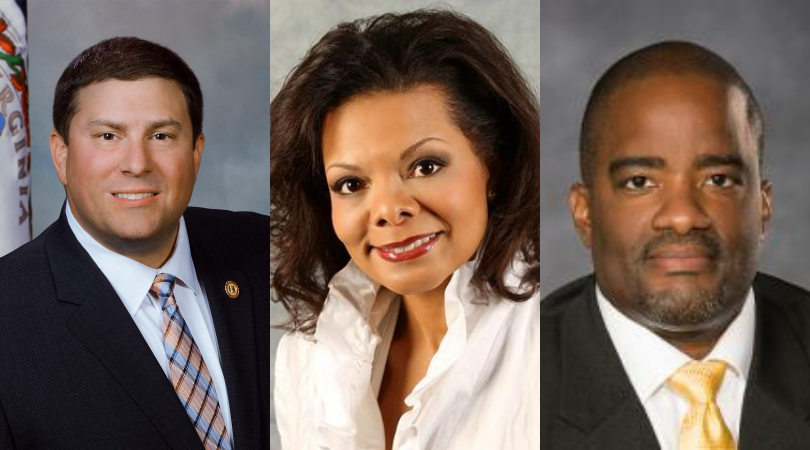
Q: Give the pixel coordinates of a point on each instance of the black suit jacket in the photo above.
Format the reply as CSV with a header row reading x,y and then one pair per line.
x,y
75,371
588,402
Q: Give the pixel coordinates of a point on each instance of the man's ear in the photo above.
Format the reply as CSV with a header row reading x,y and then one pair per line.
x,y
199,146
766,192
579,200
59,152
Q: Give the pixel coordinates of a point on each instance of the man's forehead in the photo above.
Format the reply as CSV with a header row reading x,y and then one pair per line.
x,y
667,90
120,83
670,106
654,86
159,97
669,96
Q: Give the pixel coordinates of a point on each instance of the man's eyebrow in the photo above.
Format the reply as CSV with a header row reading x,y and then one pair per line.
x,y
120,126
165,123
650,162
714,160
107,123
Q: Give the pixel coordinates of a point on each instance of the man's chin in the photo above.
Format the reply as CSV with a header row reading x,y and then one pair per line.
x,y
139,236
684,310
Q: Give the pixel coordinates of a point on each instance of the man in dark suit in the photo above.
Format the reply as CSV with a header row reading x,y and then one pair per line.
x,y
133,321
675,341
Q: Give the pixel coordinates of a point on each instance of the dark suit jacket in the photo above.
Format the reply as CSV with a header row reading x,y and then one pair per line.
x,y
587,401
75,372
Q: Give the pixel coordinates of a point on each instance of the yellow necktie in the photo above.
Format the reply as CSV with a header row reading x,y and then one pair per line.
x,y
702,426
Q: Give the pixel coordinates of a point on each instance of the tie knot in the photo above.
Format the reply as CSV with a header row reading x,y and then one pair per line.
x,y
698,381
162,287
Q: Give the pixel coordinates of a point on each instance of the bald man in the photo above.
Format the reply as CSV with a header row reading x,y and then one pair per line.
x,y
675,341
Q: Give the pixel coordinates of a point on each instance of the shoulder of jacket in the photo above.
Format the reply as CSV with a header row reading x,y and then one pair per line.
x,y
559,299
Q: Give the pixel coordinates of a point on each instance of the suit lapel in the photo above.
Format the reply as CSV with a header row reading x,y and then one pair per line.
x,y
235,331
776,406
104,326
598,406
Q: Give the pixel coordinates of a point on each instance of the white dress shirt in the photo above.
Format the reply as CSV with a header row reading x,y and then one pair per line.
x,y
649,361
132,281
481,389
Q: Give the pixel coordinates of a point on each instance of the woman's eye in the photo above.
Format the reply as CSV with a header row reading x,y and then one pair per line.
x,y
426,168
721,180
638,182
348,186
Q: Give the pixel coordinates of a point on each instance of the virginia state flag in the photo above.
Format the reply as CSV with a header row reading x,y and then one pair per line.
x,y
15,139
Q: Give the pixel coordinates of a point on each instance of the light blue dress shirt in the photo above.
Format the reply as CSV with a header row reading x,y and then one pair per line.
x,y
132,281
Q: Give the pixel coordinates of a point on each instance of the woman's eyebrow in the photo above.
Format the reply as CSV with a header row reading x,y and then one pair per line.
x,y
350,167
403,156
415,146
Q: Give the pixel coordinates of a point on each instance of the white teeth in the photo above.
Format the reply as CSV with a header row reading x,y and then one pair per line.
x,y
134,196
412,245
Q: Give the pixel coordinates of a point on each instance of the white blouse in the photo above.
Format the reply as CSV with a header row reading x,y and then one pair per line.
x,y
481,390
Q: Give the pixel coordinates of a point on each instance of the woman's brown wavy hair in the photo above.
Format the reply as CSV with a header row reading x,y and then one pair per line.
x,y
488,99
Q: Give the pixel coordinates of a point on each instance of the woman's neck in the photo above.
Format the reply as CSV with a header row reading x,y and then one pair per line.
x,y
423,317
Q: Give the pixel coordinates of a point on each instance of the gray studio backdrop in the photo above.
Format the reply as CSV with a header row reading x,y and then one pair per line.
x,y
225,42
768,43
295,27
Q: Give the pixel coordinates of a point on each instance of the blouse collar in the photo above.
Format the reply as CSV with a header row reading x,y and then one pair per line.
x,y
346,337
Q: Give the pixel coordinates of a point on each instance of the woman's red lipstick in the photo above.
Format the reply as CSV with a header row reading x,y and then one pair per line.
x,y
410,248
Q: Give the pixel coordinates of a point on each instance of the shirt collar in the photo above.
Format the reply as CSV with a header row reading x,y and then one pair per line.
x,y
649,360
353,288
356,302
180,263
346,336
736,345
130,279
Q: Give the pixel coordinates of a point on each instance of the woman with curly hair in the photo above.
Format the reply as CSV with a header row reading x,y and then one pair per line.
x,y
404,226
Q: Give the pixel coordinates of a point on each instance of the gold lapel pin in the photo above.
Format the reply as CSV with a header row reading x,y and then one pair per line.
x,y
232,289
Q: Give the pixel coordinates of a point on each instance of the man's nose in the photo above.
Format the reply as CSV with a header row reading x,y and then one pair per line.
x,y
135,158
682,210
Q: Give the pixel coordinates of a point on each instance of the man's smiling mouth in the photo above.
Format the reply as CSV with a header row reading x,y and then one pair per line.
x,y
138,196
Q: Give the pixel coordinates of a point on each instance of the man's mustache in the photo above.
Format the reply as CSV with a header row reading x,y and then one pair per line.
x,y
707,241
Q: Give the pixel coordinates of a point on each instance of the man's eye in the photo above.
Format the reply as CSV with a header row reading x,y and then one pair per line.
x,y
721,180
348,186
638,182
426,167
161,136
107,136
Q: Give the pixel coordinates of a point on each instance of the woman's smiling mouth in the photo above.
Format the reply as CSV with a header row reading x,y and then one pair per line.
x,y
408,249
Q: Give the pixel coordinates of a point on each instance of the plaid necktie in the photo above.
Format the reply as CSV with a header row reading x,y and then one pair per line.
x,y
190,378
702,426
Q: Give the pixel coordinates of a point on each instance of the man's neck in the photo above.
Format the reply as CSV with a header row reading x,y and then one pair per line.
x,y
152,253
697,346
